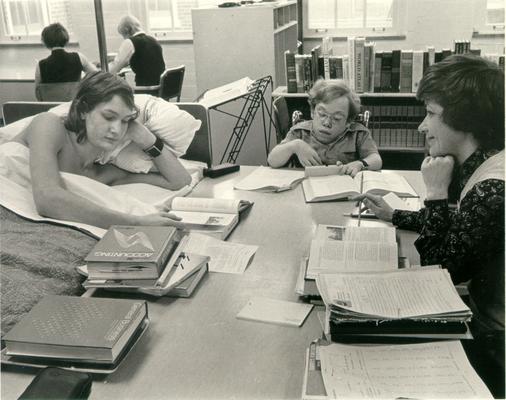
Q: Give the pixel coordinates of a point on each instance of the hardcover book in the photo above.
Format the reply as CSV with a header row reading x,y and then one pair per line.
x,y
76,328
131,252
266,179
406,71
396,71
322,183
291,77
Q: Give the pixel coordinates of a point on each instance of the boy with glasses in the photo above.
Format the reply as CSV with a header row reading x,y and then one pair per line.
x,y
332,137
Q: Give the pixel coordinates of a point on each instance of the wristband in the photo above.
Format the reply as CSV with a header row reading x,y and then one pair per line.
x,y
155,150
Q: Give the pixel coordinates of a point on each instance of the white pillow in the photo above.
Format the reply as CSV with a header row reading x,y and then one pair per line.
x,y
174,126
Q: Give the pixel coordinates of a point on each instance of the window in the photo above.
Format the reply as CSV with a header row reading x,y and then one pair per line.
x,y
172,18
489,17
353,17
23,20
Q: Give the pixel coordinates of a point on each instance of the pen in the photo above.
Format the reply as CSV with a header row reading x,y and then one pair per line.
x,y
360,203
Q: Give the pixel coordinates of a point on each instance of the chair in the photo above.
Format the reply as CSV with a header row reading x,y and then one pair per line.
x,y
281,117
171,84
63,91
16,110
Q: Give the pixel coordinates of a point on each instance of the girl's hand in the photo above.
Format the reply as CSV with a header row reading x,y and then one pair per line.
x,y
140,135
352,168
161,218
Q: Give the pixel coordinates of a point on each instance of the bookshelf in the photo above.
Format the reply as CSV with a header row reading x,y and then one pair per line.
x,y
250,40
393,123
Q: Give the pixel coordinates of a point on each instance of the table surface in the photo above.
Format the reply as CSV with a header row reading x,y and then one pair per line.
x,y
196,348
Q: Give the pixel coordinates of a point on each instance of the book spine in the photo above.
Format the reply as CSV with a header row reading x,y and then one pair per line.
x,y
332,67
406,71
339,68
346,70
359,64
351,62
377,71
386,71
308,73
417,70
367,66
396,71
315,53
372,65
299,72
431,50
291,76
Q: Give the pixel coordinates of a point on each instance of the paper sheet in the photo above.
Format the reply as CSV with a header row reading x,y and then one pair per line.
x,y
435,370
275,311
225,257
270,179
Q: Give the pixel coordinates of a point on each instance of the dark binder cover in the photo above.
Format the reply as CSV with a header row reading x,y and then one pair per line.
x,y
397,326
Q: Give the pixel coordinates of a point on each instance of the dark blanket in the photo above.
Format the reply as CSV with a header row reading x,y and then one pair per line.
x,y
37,258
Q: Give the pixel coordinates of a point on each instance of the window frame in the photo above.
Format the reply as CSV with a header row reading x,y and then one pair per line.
x,y
481,27
6,39
399,17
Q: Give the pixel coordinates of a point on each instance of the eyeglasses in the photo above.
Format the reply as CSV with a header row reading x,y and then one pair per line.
x,y
333,119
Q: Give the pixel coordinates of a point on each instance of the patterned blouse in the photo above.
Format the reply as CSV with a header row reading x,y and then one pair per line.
x,y
469,242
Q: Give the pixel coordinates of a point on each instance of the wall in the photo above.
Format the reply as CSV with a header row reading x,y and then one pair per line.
x,y
431,23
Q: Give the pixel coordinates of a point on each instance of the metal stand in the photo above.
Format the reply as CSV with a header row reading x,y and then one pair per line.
x,y
253,100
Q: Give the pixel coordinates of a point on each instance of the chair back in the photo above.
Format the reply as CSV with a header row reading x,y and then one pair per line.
x,y
63,91
171,83
281,117
200,147
16,110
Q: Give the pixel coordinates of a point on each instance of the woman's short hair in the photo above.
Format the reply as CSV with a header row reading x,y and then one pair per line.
x,y
128,25
96,87
325,91
54,35
471,91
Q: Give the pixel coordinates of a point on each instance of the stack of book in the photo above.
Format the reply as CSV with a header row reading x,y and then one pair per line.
x,y
414,301
145,259
80,330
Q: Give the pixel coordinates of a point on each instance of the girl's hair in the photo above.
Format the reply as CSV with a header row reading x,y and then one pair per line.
x,y
324,91
471,91
96,87
54,35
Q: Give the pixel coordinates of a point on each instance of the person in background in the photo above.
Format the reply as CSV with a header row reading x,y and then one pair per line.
x,y
464,130
332,137
60,66
141,51
101,114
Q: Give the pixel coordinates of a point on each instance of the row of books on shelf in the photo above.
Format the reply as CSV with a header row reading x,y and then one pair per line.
x,y
390,330
367,70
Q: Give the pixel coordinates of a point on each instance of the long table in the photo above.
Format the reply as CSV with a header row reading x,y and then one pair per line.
x,y
196,348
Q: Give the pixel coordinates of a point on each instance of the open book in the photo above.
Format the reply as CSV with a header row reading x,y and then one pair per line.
x,y
207,214
323,184
352,249
413,300
266,179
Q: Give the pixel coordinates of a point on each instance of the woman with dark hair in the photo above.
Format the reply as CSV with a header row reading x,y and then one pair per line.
x,y
464,129
100,116
332,137
60,66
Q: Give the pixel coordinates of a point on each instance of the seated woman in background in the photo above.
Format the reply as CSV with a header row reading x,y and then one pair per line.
x,y
332,137
60,66
464,130
100,116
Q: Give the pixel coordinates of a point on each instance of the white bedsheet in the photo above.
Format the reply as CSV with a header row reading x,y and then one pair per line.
x,y
135,199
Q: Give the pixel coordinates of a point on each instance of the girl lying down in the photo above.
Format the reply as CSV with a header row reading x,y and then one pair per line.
x,y
100,116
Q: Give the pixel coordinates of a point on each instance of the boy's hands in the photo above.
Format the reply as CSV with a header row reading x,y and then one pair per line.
x,y
306,154
351,168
